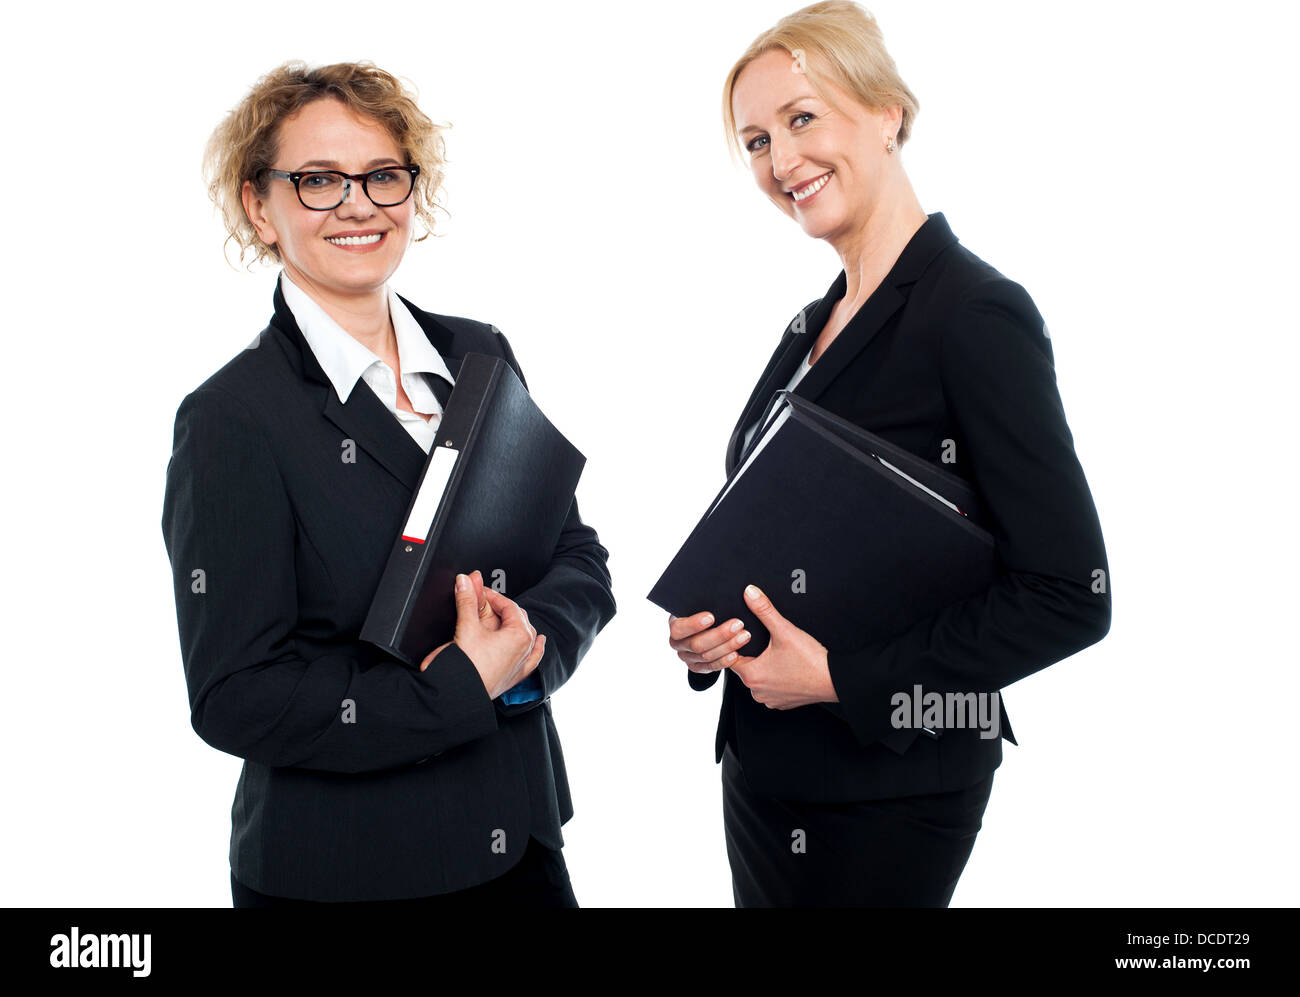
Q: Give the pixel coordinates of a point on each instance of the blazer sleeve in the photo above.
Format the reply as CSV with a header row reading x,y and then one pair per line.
x,y
255,690
699,681
1052,597
573,601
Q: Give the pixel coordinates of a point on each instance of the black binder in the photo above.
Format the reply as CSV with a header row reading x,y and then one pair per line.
x,y
494,495
851,537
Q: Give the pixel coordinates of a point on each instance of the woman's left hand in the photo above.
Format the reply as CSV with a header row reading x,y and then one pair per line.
x,y
792,671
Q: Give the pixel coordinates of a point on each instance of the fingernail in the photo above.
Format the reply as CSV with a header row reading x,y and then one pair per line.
x,y
736,626
461,582
744,637
708,619
752,592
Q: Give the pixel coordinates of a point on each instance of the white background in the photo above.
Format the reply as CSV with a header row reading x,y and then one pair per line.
x,y
1132,165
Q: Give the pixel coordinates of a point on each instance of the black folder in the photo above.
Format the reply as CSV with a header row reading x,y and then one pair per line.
x,y
852,538
494,495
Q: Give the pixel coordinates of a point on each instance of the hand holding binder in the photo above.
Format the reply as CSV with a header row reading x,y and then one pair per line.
x,y
501,644
702,646
792,670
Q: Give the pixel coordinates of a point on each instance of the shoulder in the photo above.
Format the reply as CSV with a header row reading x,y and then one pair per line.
x,y
961,281
473,330
975,307
252,387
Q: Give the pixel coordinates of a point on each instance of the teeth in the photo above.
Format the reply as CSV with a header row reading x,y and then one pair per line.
x,y
812,188
356,240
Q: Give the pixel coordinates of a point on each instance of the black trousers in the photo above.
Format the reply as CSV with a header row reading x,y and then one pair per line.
x,y
539,879
906,851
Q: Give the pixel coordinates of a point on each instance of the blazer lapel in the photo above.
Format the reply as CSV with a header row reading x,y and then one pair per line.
x,y
926,243
781,367
364,418
779,371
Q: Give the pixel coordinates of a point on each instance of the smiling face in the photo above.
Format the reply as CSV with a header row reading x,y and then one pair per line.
x,y
353,249
823,167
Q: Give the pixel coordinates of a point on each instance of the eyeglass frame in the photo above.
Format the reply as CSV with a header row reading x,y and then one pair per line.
x,y
349,179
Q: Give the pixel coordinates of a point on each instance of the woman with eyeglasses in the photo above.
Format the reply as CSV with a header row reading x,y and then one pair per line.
x,y
364,780
829,797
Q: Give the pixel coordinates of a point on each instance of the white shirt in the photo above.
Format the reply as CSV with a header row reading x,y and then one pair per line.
x,y
344,360
804,367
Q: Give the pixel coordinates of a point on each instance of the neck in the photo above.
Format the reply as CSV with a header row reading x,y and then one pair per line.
x,y
871,250
364,316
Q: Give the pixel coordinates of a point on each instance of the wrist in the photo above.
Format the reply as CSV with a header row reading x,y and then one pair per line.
x,y
829,695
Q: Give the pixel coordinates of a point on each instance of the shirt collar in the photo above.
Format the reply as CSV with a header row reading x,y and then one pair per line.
x,y
342,357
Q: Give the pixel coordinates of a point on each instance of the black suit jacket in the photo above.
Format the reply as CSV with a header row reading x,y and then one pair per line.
x,y
277,545
950,360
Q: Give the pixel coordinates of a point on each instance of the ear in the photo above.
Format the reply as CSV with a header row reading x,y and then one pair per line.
x,y
891,120
255,209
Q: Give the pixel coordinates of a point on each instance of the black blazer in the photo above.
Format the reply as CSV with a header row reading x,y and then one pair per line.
x,y
950,360
277,545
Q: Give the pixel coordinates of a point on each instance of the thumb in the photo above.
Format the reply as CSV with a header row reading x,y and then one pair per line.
x,y
466,603
762,608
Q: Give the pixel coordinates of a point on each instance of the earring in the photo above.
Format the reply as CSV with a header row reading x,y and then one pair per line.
x,y
889,146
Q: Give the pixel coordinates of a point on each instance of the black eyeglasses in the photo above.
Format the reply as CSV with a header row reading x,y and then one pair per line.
x,y
324,190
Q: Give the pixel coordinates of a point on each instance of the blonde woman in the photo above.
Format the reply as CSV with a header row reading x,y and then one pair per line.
x,y
827,800
364,780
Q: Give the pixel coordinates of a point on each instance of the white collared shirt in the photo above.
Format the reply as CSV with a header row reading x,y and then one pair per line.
x,y
344,360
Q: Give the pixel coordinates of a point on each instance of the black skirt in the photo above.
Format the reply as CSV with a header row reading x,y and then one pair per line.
x,y
906,851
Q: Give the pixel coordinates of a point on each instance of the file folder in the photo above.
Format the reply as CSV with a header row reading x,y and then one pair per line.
x,y
851,537
494,495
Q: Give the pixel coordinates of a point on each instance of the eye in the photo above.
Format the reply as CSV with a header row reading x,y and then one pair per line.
x,y
383,176
799,116
318,180
753,145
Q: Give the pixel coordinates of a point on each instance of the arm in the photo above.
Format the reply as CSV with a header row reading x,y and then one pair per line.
x,y
570,604
1000,386
255,690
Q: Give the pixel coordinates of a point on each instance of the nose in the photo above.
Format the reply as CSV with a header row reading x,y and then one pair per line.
x,y
785,159
356,204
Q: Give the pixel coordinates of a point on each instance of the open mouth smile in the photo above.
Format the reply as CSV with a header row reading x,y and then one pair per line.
x,y
810,189
356,241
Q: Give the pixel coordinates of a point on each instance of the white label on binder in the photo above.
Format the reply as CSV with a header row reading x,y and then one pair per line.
x,y
427,500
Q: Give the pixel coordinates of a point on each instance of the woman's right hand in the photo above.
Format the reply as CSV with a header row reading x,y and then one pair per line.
x,y
503,655
705,650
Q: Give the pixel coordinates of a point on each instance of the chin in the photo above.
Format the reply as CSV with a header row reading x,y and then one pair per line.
x,y
821,227
815,230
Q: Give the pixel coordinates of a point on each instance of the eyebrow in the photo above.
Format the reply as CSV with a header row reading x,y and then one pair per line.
x,y
330,164
780,110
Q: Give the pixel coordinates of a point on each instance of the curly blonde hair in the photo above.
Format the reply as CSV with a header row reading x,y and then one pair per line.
x,y
848,49
245,144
